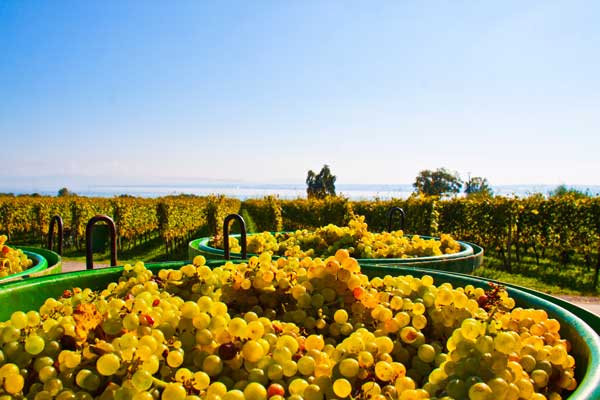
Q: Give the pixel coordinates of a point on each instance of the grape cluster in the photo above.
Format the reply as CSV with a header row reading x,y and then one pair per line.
x,y
325,241
12,260
288,328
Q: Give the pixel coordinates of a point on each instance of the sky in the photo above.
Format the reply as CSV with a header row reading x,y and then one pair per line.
x,y
123,92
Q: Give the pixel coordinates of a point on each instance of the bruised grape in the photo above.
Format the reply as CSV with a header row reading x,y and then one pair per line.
x,y
228,351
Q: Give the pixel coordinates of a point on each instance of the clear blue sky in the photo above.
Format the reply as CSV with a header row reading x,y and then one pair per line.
x,y
262,91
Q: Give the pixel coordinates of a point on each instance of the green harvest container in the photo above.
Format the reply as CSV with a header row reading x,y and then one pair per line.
x,y
576,323
53,259
39,266
465,261
30,294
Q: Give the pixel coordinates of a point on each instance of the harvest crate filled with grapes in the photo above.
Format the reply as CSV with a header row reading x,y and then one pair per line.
x,y
294,328
391,248
23,262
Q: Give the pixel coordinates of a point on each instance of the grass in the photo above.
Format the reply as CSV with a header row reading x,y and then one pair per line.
x,y
549,276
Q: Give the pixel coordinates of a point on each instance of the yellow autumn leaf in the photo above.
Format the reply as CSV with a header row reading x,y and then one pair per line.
x,y
87,318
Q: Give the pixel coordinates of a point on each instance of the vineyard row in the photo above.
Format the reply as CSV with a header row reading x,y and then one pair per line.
x,y
538,225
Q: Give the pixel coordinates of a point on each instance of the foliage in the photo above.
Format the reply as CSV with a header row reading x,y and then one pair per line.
x,y
266,213
178,216
320,185
563,229
134,217
312,213
438,182
64,192
563,190
478,186
217,209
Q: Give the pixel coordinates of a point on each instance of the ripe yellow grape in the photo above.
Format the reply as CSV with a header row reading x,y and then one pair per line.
x,y
288,328
345,244
12,260
108,364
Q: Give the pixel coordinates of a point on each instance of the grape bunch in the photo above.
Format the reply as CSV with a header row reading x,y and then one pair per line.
x,y
356,238
290,328
12,260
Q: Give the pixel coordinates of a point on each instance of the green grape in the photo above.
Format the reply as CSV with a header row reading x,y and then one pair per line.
x,y
349,367
504,342
342,387
216,389
108,364
201,380
237,327
384,371
289,368
480,391
53,386
499,387
306,365
174,391
46,373
13,384
34,344
540,378
175,358
426,353
233,395
255,391
252,350
88,380
255,330
10,334
297,386
142,380
384,344
212,365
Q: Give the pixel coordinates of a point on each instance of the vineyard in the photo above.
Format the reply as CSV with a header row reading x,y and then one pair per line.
x,y
529,235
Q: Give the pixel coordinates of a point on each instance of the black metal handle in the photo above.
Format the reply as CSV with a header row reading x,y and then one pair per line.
x,y
391,213
239,218
89,262
59,223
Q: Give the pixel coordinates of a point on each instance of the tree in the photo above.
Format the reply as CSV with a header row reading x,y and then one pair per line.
x,y
563,190
478,186
320,185
64,192
438,182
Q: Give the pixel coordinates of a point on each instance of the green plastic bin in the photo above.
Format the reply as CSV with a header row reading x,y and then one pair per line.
x,y
468,259
576,323
39,266
53,260
30,294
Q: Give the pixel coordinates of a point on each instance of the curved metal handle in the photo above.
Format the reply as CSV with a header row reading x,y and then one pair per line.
x,y
391,213
89,262
59,223
239,218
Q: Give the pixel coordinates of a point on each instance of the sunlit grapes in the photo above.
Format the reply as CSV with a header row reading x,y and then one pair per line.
x,y
297,328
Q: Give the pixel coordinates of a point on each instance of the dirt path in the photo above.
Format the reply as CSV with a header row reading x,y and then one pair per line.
x,y
70,266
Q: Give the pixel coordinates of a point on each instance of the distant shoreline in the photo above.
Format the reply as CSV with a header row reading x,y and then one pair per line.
x,y
284,191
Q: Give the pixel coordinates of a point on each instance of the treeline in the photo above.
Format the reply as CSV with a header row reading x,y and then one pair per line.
x,y
560,227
